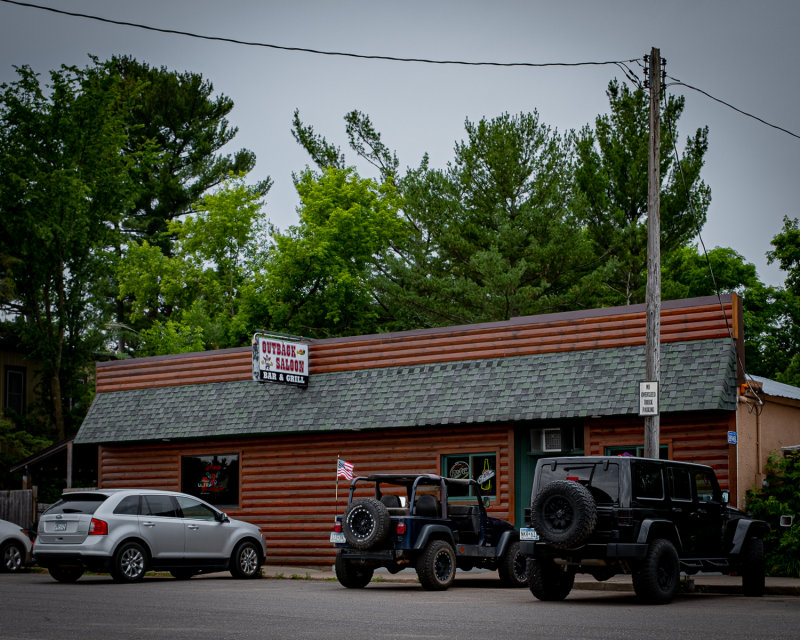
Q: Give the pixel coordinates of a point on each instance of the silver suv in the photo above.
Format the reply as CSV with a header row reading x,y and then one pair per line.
x,y
128,532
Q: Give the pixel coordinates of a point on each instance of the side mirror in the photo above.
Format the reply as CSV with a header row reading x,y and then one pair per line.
x,y
787,521
223,517
486,501
726,497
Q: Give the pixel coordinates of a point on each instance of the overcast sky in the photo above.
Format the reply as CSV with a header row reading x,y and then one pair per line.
x,y
739,51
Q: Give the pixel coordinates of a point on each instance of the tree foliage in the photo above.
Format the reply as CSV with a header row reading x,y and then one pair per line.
x,y
779,497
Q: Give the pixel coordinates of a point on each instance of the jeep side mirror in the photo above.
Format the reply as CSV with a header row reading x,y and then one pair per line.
x,y
786,521
485,501
726,497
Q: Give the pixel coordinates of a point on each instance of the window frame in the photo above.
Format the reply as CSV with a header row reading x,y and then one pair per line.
x,y
8,371
447,459
228,497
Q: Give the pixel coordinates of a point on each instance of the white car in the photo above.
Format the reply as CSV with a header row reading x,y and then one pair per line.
x,y
128,532
15,546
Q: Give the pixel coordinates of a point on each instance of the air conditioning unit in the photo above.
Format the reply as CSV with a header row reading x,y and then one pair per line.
x,y
546,440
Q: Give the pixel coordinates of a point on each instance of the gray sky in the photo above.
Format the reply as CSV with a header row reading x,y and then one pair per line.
x,y
736,50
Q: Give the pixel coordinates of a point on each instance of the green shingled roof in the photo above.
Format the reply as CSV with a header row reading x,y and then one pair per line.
x,y
696,376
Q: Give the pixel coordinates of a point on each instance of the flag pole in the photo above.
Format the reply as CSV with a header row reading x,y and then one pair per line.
x,y
336,509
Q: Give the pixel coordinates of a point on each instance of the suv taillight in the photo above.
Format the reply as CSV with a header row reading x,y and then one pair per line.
x,y
337,527
98,528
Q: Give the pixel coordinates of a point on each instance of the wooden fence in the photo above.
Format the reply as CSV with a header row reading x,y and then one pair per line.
x,y
18,507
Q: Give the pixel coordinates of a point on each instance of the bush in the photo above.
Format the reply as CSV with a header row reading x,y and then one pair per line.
x,y
780,496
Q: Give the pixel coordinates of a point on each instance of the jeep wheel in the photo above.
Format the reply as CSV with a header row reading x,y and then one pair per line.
x,y
66,574
564,513
547,581
753,567
436,567
513,567
657,579
351,576
366,523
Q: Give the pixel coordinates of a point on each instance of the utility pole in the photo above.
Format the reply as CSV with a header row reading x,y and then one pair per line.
x,y
653,347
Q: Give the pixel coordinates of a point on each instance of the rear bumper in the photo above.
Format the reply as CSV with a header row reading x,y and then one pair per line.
x,y
610,551
72,559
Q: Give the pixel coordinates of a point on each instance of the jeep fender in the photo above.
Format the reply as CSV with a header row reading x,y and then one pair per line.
x,y
433,531
506,538
659,529
747,529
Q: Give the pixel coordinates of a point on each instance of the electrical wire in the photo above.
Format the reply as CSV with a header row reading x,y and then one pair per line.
x,y
247,43
739,363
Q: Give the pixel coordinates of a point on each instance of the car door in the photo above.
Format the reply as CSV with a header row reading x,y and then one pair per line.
x,y
206,537
162,527
701,530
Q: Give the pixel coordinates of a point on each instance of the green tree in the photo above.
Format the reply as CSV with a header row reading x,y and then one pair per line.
x,y
611,176
497,234
319,276
779,497
786,338
65,181
217,256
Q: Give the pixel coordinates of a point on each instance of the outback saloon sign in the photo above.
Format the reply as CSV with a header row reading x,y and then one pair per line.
x,y
276,359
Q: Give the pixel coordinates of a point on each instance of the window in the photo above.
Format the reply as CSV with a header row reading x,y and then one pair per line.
x,y
636,451
707,490
647,481
128,506
213,478
679,484
14,387
160,506
195,510
470,465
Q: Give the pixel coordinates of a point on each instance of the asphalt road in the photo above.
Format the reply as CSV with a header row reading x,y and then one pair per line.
x,y
34,607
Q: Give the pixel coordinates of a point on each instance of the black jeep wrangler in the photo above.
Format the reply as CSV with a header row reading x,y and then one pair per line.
x,y
652,519
409,522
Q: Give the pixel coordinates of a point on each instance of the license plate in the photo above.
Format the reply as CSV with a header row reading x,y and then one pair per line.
x,y
337,537
528,534
60,526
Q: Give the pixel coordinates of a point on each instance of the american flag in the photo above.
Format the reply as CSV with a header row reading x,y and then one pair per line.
x,y
344,469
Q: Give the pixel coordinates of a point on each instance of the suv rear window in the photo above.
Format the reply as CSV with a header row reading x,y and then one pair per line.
x,y
602,480
78,503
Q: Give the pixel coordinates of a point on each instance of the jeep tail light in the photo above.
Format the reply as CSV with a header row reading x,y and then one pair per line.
x,y
401,528
337,527
98,528
573,478
625,516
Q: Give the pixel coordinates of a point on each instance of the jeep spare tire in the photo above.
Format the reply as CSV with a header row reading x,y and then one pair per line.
x,y
564,513
366,523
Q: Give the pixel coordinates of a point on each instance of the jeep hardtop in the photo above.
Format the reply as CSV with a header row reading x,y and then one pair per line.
x,y
652,519
426,522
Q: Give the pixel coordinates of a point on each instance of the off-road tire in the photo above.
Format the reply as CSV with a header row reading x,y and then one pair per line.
x,y
65,574
245,561
549,582
436,566
350,575
657,578
513,567
13,556
366,523
753,567
564,513
129,563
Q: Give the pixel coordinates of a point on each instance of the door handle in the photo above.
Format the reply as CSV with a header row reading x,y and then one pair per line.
x,y
148,524
193,527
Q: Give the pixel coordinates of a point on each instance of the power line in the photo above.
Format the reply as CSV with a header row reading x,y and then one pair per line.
x,y
267,45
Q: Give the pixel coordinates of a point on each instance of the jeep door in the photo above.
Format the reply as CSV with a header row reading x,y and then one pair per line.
x,y
696,504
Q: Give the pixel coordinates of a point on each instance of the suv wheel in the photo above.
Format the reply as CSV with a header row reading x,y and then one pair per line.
x,y
130,563
66,574
436,566
657,579
513,567
245,562
564,513
351,576
366,523
547,581
753,567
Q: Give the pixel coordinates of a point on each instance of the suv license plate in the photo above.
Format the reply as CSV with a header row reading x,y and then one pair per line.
x,y
528,534
337,537
60,526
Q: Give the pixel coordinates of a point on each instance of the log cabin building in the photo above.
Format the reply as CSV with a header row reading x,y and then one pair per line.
x,y
459,399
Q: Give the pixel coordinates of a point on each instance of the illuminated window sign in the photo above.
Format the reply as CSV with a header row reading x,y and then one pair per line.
x,y
213,478
279,360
